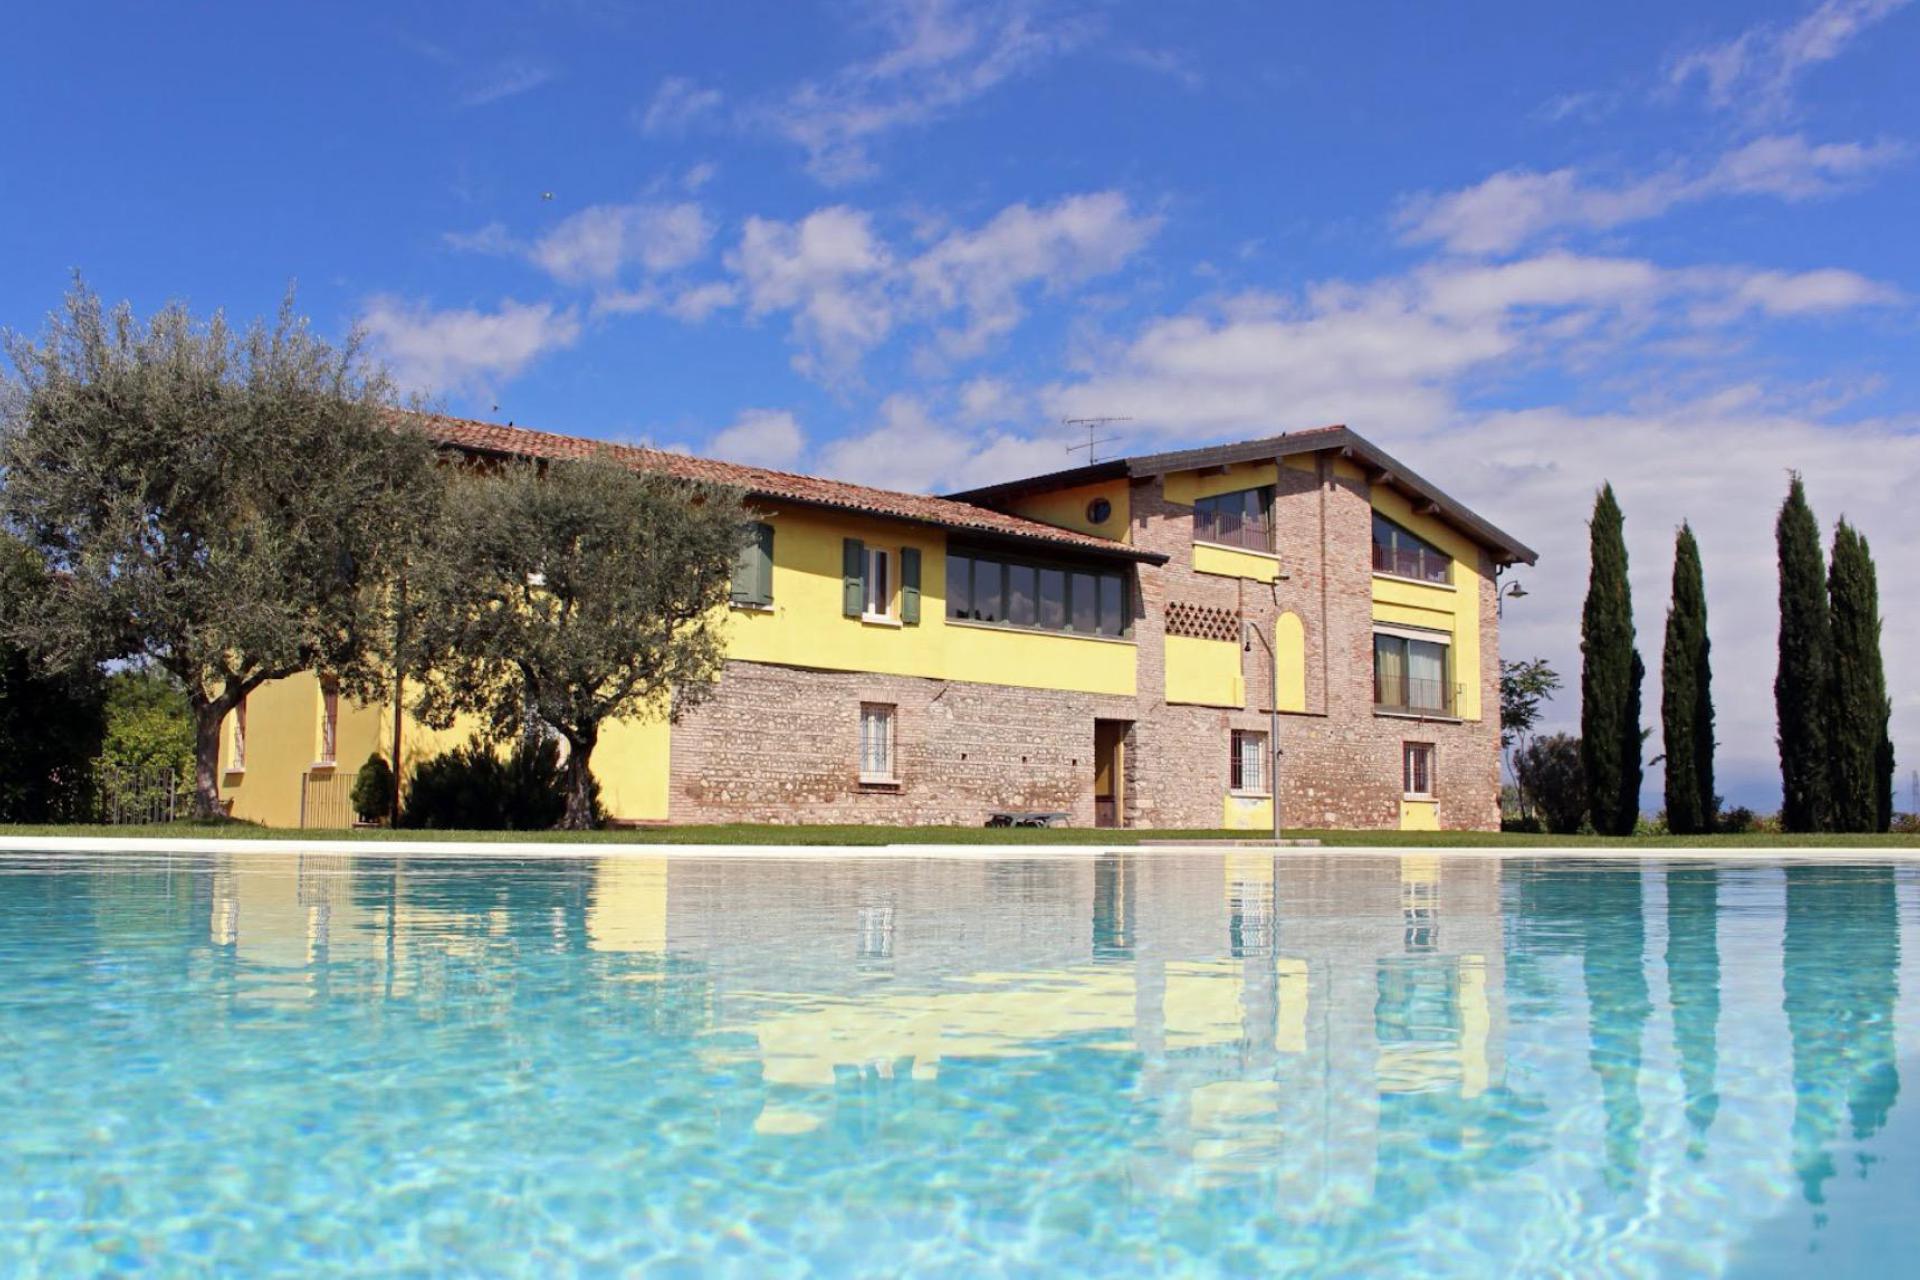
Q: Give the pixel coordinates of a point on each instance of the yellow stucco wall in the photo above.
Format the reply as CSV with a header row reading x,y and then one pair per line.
x,y
1185,486
1246,813
1231,562
1206,672
805,627
1453,607
1290,661
1067,508
1419,815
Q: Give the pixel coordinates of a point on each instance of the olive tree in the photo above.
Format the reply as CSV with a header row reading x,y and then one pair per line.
x,y
562,596
226,505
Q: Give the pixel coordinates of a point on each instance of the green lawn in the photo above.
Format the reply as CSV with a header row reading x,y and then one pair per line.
x,y
749,834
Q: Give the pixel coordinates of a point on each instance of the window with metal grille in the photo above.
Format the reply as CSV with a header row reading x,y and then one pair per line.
x,y
876,742
1247,762
238,757
1243,518
1417,770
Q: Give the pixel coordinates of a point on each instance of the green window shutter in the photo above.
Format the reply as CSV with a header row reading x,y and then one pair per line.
x,y
743,573
910,585
853,575
763,564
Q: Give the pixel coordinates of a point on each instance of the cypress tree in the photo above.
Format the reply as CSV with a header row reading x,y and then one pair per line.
x,y
1610,677
1800,687
1686,697
1860,779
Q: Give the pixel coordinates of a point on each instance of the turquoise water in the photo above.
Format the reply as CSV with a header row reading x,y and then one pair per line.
x,y
1161,1064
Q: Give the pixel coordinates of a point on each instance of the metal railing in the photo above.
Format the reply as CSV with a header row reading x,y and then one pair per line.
x,y
1411,696
326,799
128,797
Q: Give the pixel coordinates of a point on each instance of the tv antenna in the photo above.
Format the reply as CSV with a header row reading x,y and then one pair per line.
x,y
1094,439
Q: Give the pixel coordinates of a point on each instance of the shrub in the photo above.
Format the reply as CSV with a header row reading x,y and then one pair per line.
x,y
1737,821
471,788
1906,824
1551,775
373,789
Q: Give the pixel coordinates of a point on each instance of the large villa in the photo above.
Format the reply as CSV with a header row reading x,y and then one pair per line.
x,y
1102,646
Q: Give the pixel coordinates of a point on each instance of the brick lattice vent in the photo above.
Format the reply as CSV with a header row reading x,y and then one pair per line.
x,y
1202,622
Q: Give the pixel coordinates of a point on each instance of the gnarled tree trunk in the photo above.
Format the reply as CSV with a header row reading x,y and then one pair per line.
x,y
578,776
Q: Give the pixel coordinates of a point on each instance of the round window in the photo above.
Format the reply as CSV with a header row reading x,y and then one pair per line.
x,y
1098,510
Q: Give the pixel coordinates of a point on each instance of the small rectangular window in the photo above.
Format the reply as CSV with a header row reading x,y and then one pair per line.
x,y
879,585
959,587
1053,599
1247,763
989,580
1021,592
238,758
1084,596
876,742
329,721
1417,770
1113,605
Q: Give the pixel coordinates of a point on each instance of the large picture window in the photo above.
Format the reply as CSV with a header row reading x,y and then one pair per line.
x,y
1044,597
1410,675
1243,518
1403,555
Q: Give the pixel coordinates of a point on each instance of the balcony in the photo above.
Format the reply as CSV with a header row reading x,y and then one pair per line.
x,y
1408,696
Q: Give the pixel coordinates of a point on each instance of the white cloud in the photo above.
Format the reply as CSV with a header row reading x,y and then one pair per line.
x,y
940,55
1720,462
508,80
826,269
1058,245
1784,293
911,449
678,104
594,245
463,349
1759,70
761,438
493,240
848,290
1509,209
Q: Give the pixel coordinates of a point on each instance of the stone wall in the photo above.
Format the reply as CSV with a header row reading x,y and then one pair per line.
x,y
781,744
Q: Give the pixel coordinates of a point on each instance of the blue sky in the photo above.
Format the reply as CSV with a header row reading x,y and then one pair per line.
x,y
1527,247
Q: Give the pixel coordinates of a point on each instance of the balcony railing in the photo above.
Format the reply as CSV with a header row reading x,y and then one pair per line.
x,y
1405,695
1411,562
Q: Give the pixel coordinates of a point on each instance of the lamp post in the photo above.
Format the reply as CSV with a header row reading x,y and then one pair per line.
x,y
1512,591
1249,632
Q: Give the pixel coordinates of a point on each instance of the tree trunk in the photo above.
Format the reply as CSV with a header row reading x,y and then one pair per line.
x,y
578,775
206,757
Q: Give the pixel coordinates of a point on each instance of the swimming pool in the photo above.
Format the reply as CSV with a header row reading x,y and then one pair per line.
x,y
1151,1063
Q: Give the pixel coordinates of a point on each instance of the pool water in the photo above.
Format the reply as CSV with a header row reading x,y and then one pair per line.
x,y
1111,1064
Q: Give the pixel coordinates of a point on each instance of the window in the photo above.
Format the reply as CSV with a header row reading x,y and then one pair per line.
x,y
329,721
237,759
876,742
1042,596
1240,519
1417,769
879,602
1247,763
1410,674
753,570
870,589
1401,554
1099,511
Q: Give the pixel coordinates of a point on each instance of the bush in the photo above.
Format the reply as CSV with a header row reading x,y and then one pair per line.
x,y
1551,775
1906,824
1737,821
472,789
373,789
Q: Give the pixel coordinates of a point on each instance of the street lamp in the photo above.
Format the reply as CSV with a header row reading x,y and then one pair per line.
x,y
1249,632
1512,591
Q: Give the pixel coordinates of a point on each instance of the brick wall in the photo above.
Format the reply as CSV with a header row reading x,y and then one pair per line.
x,y
1340,763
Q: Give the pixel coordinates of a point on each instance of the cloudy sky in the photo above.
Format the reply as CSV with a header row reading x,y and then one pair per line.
x,y
1527,247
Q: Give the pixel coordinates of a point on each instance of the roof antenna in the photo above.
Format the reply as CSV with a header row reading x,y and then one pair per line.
x,y
1094,438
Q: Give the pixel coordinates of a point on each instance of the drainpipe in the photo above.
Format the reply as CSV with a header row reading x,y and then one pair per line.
x,y
1251,631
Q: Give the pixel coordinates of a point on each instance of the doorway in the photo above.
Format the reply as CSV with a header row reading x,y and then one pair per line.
x,y
1109,772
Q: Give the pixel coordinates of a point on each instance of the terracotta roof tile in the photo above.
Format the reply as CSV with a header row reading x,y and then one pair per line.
x,y
487,437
